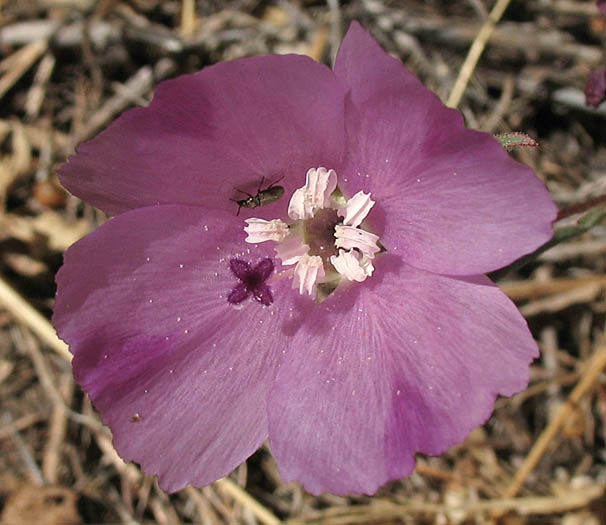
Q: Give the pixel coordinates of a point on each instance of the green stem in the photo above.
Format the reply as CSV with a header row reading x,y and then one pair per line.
x,y
584,224
581,207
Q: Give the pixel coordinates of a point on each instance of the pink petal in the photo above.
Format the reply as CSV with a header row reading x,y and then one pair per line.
x,y
179,375
595,89
205,136
449,200
410,363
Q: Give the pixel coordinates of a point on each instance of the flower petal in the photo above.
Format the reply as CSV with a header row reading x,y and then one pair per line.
x,y
179,375
207,135
408,363
595,89
367,69
449,200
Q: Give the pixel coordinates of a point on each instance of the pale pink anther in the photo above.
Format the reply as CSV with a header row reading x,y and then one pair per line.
x,y
356,209
352,265
348,237
358,247
315,195
308,272
260,230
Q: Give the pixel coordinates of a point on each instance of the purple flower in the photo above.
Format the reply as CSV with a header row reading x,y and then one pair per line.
x,y
391,342
595,90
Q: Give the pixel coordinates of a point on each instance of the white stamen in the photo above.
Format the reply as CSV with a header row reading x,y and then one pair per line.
x,y
356,209
291,250
352,265
308,272
356,247
349,237
260,230
315,195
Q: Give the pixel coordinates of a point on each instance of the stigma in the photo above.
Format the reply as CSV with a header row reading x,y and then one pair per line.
x,y
323,239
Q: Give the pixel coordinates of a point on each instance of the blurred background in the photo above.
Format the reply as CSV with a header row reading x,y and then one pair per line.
x,y
69,67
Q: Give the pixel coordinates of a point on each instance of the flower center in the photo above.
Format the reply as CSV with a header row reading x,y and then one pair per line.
x,y
319,233
324,241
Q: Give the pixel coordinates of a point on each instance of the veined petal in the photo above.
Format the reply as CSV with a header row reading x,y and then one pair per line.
x,y
409,363
352,265
142,302
348,237
452,200
308,273
260,230
356,209
205,136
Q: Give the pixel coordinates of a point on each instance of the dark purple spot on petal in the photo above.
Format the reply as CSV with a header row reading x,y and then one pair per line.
x,y
252,281
239,267
263,294
265,268
238,294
